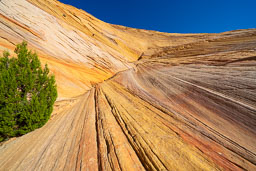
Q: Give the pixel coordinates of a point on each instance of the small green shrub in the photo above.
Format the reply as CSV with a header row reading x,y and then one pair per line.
x,y
27,93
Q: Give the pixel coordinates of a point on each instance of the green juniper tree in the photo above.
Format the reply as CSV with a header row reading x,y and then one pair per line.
x,y
27,93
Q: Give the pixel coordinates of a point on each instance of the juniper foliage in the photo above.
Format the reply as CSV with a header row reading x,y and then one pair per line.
x,y
27,93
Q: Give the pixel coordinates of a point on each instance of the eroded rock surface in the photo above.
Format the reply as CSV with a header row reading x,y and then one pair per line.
x,y
133,99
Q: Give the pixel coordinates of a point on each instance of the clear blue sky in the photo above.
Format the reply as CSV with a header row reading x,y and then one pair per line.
x,y
174,16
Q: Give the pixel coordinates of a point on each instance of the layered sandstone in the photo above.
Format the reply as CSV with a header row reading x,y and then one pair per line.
x,y
133,99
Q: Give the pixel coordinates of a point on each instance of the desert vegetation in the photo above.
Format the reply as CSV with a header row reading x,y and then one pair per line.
x,y
27,93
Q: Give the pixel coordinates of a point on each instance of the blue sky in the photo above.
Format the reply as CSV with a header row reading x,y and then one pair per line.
x,y
174,16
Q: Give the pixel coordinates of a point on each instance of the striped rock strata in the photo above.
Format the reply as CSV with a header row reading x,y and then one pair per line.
x,y
133,99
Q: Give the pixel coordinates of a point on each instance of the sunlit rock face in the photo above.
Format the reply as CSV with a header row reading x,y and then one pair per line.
x,y
133,99
80,49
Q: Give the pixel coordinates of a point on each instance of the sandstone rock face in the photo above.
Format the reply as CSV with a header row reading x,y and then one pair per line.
x,y
134,99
